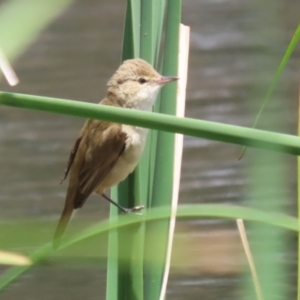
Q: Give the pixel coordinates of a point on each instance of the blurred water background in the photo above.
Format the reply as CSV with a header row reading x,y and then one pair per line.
x,y
236,47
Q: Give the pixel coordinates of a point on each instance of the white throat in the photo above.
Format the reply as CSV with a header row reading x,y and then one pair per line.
x,y
147,104
144,99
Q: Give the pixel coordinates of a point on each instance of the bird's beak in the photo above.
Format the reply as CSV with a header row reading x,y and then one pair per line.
x,y
167,79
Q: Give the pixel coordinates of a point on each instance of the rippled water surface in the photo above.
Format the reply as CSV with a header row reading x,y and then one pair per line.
x,y
235,50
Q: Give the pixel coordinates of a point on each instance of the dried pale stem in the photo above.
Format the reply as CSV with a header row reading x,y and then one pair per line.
x,y
250,259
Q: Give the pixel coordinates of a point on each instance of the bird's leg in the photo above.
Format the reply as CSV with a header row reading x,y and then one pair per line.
x,y
123,209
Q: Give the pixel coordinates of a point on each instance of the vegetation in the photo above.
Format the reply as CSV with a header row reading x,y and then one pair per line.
x,y
129,236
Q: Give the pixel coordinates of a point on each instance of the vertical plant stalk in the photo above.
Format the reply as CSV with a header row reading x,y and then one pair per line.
x,y
184,42
157,29
139,181
119,281
268,183
142,35
152,16
146,52
243,235
298,196
163,173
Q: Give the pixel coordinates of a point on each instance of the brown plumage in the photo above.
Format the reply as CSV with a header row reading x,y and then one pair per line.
x,y
89,164
105,153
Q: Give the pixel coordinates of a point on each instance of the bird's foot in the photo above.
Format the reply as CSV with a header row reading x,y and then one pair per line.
x,y
134,209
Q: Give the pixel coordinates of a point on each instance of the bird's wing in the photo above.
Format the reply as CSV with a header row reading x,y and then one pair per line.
x,y
71,159
102,144
74,151
94,154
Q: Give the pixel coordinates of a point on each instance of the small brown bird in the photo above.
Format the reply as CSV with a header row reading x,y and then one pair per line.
x,y
106,153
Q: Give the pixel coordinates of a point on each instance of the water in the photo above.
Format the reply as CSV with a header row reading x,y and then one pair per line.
x,y
233,58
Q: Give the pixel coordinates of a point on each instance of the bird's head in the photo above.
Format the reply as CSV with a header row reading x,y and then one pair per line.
x,y
137,84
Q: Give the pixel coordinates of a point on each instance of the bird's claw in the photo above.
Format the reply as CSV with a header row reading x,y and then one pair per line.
x,y
134,209
137,208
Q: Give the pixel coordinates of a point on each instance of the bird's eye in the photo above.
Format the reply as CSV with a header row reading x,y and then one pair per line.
x,y
142,80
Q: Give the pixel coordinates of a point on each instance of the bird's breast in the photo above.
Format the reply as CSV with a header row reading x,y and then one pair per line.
x,y
126,163
135,142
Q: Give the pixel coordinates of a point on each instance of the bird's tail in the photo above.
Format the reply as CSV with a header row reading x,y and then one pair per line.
x,y
62,224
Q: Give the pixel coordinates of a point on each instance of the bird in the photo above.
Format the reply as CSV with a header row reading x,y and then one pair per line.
x,y
105,153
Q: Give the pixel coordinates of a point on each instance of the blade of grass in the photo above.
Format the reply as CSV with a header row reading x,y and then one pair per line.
x,y
180,109
151,31
159,11
250,259
147,43
139,180
163,173
131,37
124,278
140,186
205,129
146,36
275,79
15,272
21,22
157,23
268,180
184,211
298,200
